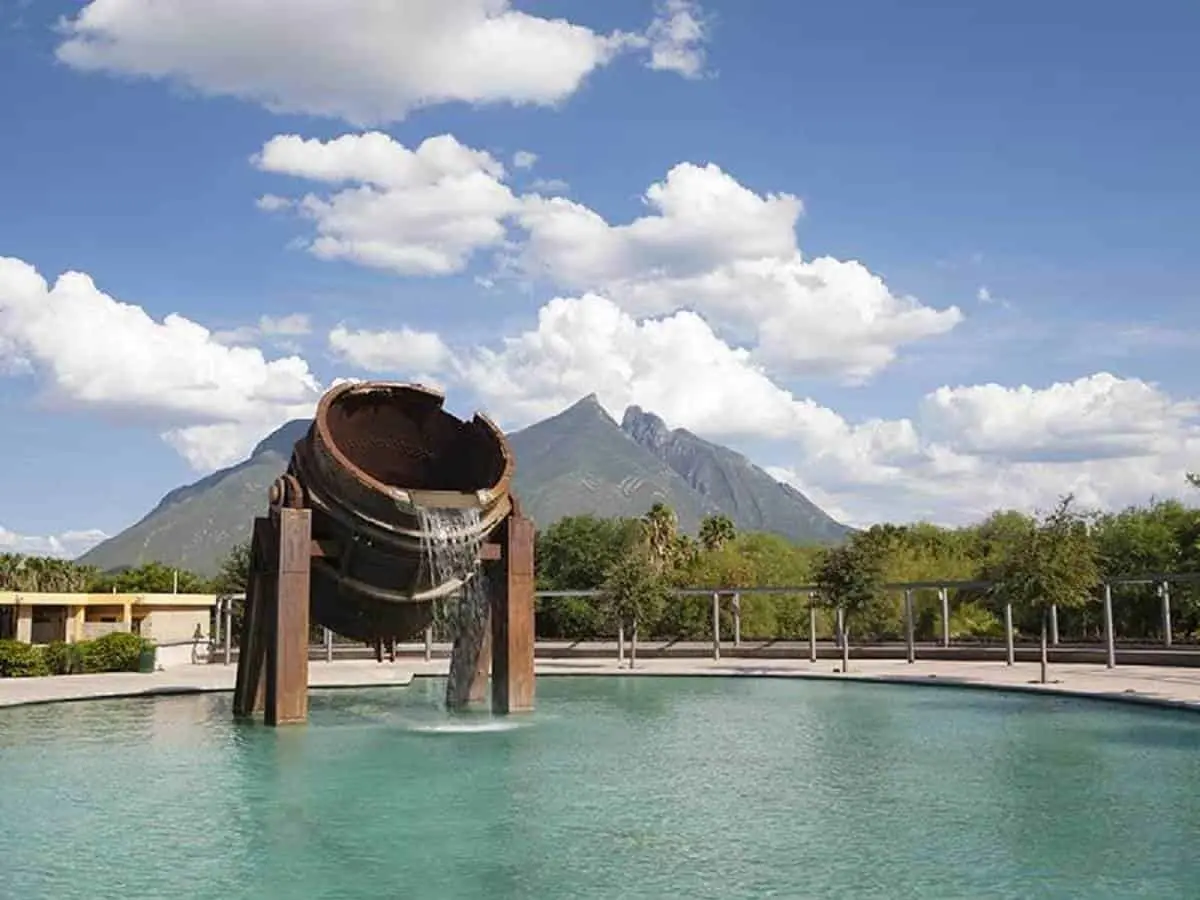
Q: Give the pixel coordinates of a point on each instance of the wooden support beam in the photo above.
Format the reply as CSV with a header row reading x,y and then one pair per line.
x,y
512,620
248,689
287,652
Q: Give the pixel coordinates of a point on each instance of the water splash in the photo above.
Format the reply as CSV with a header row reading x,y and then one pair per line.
x,y
452,543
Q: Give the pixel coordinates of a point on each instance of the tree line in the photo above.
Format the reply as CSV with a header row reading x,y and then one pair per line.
x,y
636,565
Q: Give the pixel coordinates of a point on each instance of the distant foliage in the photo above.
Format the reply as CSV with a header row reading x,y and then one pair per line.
x,y
117,652
18,660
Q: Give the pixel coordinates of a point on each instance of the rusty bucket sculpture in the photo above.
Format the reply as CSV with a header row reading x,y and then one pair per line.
x,y
376,455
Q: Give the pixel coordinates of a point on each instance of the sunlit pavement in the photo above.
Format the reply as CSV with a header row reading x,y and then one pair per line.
x,y
1175,686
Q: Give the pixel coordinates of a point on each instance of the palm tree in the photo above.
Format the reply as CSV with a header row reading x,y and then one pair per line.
x,y
661,528
716,531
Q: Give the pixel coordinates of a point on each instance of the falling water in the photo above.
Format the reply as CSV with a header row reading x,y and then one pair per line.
x,y
452,542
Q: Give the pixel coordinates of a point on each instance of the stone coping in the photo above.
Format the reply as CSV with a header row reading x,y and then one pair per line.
x,y
1170,687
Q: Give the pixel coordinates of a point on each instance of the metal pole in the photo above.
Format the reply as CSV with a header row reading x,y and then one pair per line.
x,y
429,642
737,620
633,645
227,631
839,628
716,622
620,645
909,642
944,596
1054,624
328,635
1009,651
812,628
1164,591
1109,639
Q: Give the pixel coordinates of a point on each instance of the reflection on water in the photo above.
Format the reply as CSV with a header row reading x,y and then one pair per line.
x,y
615,787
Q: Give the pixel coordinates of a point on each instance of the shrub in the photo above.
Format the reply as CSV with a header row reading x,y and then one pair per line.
x,y
20,660
116,652
63,659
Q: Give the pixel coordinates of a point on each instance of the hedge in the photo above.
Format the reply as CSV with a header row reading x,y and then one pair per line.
x,y
116,652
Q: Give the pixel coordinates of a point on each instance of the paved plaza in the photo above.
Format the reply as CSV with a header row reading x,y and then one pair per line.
x,y
1168,686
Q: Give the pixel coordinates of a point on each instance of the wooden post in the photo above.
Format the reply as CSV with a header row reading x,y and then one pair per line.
x,y
287,653
1110,643
227,630
910,645
252,648
478,691
1009,650
944,596
716,625
513,621
1164,592
812,628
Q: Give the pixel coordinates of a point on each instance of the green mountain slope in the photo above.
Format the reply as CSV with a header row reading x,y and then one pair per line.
x,y
579,461
727,479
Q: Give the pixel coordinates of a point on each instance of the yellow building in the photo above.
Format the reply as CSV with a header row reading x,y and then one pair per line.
x,y
163,618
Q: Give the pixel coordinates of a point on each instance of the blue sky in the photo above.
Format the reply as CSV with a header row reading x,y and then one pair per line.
x,y
1021,178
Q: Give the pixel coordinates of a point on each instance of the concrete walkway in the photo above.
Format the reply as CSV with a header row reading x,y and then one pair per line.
x,y
1163,686
187,680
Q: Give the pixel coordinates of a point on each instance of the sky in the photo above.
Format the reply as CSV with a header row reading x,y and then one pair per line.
x,y
920,261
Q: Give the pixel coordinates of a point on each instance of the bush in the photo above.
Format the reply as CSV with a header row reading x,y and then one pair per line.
x,y
20,660
116,652
63,659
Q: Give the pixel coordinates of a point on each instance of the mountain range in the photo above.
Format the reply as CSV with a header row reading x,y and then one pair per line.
x,y
579,461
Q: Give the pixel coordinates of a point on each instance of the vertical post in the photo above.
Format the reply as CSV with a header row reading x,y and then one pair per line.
x,y
328,645
737,619
175,583
227,630
429,642
910,644
716,625
1110,644
839,631
812,628
477,690
1054,624
633,636
513,621
287,651
1009,651
620,644
252,647
1164,592
944,597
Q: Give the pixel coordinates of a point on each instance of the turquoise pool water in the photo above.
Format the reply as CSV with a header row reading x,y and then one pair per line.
x,y
654,788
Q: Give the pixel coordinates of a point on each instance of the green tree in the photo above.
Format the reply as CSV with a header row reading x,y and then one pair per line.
x,y
661,532
716,531
231,581
635,591
850,577
1054,564
576,554
151,578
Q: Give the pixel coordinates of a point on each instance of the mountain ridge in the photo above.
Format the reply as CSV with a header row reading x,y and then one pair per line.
x,y
580,460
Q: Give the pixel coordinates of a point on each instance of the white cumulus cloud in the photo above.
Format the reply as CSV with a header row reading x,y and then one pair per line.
x,y
414,212
392,352
364,61
67,545
92,352
710,244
